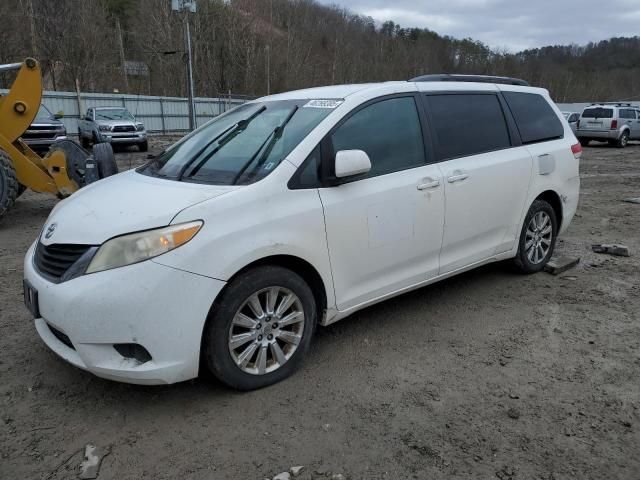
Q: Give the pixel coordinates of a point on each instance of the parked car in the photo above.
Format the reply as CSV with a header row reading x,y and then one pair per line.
x,y
45,130
296,210
616,123
572,118
113,125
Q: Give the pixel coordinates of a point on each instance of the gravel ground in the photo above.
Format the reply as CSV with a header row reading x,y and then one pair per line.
x,y
487,375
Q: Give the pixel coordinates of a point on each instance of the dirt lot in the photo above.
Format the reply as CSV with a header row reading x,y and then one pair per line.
x,y
487,375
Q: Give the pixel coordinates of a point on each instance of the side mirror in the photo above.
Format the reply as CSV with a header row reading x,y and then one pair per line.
x,y
58,115
351,162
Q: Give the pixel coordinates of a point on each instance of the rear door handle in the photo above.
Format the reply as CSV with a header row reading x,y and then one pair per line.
x,y
458,178
428,185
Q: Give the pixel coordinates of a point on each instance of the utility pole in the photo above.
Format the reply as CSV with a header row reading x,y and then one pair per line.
x,y
192,107
122,59
188,6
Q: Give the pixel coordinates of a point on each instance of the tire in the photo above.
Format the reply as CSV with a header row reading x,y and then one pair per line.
x,y
623,140
526,260
9,185
84,141
144,146
224,362
584,142
105,160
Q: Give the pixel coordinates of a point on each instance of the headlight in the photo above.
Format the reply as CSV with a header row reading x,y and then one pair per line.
x,y
137,247
104,128
139,127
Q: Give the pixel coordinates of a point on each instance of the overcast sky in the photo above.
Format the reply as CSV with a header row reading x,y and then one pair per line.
x,y
514,24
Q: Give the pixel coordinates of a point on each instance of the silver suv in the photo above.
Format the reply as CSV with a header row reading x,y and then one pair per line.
x,y
616,123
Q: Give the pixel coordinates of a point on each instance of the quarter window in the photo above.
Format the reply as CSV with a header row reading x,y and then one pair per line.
x,y
388,131
468,124
536,120
627,113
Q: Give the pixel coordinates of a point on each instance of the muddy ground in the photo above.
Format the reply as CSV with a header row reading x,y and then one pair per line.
x,y
487,375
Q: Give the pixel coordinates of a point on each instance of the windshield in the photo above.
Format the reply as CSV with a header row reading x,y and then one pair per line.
x,y
598,112
113,114
43,112
240,147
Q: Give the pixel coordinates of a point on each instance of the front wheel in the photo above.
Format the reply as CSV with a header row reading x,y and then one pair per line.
x,y
9,184
537,238
260,330
144,146
584,142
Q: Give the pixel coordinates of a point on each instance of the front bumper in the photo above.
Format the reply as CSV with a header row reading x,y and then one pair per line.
x,y
160,308
123,138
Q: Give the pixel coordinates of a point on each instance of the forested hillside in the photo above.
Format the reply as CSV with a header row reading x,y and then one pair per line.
x,y
257,46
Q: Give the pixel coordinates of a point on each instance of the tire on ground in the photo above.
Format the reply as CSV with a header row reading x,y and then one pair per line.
x,y
623,140
521,260
144,146
105,160
9,185
216,354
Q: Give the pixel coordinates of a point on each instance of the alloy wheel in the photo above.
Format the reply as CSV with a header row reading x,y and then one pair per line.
x,y
266,330
538,238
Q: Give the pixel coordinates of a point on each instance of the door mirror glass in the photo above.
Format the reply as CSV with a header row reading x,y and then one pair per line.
x,y
352,162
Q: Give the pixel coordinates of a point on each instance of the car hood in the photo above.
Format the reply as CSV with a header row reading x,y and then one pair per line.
x,y
46,121
117,122
124,203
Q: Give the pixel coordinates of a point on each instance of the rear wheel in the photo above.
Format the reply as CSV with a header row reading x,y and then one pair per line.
x,y
623,140
9,185
260,330
537,238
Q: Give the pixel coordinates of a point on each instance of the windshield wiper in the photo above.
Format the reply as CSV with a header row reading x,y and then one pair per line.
x,y
267,145
222,139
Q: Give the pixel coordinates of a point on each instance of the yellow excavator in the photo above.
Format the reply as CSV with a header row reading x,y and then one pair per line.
x,y
66,168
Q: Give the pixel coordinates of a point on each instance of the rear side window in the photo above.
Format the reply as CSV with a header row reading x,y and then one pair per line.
x,y
388,131
627,113
536,120
468,124
597,112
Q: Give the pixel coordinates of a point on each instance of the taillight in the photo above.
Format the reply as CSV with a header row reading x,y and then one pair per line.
x,y
576,150
614,124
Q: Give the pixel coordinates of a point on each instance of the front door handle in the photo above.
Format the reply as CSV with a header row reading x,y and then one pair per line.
x,y
428,185
458,178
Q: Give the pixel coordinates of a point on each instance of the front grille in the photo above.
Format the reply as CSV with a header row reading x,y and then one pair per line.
x,y
124,128
39,134
53,261
61,336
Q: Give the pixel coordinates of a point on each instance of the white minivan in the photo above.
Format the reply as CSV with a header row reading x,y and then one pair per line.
x,y
296,210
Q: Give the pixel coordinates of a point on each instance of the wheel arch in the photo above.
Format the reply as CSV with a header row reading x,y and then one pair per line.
x,y
553,199
296,264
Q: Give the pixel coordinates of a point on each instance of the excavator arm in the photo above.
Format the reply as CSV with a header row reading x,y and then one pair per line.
x,y
18,109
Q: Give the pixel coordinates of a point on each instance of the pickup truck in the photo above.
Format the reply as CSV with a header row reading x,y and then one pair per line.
x,y
45,130
113,125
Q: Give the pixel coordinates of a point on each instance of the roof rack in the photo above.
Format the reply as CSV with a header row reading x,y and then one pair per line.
x,y
616,104
446,77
